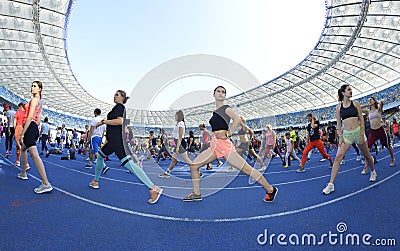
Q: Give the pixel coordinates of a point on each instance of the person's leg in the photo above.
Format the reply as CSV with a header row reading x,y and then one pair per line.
x,y
308,148
320,146
203,158
287,158
39,164
239,163
354,145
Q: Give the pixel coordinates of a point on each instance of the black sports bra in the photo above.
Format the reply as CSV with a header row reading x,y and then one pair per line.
x,y
220,120
348,112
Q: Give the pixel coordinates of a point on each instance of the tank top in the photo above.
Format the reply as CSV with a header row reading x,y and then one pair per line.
x,y
348,112
270,138
36,114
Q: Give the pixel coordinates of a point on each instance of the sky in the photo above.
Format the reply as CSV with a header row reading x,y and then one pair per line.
x,y
121,44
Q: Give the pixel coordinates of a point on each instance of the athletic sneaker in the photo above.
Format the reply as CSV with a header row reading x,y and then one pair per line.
x,y
165,175
22,176
201,174
328,189
322,160
358,158
155,194
193,197
364,171
270,197
47,154
94,184
262,169
373,176
375,160
331,164
105,170
88,166
209,167
286,166
342,162
230,170
392,162
301,170
43,188
16,163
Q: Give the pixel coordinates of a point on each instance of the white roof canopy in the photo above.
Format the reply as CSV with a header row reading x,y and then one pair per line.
x,y
359,46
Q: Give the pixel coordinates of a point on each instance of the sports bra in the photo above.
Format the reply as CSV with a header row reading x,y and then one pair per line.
x,y
374,115
348,112
242,132
220,120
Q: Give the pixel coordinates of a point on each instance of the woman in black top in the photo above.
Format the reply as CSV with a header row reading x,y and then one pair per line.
x,y
221,146
115,144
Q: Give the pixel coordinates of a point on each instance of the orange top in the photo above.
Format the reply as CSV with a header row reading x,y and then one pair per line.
x,y
36,115
19,117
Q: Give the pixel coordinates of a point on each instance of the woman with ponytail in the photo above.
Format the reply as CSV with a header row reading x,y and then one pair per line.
x,y
350,125
116,143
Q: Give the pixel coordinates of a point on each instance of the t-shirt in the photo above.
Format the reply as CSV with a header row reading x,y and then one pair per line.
x,y
97,132
293,135
289,146
19,117
314,132
114,132
331,131
175,132
10,114
45,128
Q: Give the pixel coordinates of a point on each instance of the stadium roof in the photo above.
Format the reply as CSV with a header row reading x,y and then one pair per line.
x,y
359,45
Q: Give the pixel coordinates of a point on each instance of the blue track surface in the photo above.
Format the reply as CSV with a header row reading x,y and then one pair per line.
x,y
117,216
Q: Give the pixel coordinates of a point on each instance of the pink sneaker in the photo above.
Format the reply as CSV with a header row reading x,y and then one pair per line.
x,y
155,194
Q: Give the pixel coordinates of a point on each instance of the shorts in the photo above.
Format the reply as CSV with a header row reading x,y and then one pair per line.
x,y
95,144
221,147
353,136
376,134
204,147
245,146
114,147
182,147
31,135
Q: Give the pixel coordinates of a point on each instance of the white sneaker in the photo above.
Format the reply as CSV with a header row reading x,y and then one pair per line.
x,y
358,158
328,189
373,176
322,160
230,170
262,169
342,162
364,171
165,175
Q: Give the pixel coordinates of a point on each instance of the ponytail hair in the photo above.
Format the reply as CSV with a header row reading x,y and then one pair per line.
x,y
123,94
340,92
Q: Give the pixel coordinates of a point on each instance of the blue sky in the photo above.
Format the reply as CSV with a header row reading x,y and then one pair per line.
x,y
113,44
